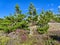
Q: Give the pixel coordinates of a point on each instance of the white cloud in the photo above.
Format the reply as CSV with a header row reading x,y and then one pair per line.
x,y
51,9
50,4
59,6
37,8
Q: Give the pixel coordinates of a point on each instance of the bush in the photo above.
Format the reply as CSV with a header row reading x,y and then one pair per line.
x,y
43,29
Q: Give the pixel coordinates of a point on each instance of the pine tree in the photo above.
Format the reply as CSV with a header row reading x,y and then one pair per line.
x,y
13,22
43,22
32,18
17,9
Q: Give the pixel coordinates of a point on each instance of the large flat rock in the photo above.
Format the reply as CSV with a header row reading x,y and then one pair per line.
x,y
54,26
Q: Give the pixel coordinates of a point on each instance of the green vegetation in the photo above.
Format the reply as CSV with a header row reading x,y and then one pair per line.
x,y
22,21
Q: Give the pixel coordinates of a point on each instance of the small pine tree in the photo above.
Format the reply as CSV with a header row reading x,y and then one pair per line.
x,y
18,11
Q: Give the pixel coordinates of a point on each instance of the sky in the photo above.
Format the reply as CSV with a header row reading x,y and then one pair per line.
x,y
8,6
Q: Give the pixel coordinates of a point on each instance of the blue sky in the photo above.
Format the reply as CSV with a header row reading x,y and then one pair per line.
x,y
8,6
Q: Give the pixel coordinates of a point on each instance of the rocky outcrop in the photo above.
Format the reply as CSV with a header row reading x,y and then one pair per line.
x,y
54,27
